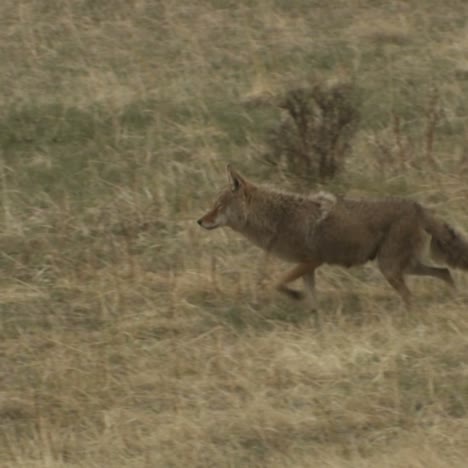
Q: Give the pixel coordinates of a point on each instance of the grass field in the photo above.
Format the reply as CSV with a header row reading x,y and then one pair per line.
x,y
129,336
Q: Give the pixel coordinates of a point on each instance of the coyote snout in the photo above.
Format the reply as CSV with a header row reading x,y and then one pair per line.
x,y
323,229
213,219
230,208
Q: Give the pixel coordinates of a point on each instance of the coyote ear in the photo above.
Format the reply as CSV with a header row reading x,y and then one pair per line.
x,y
235,179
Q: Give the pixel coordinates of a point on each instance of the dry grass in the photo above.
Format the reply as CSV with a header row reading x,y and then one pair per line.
x,y
128,337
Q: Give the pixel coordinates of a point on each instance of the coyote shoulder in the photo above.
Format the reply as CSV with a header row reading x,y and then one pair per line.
x,y
323,229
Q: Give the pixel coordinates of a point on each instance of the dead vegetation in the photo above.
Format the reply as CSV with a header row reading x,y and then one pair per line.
x,y
129,337
400,148
314,137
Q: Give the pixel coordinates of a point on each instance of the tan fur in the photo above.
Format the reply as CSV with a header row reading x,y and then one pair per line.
x,y
323,229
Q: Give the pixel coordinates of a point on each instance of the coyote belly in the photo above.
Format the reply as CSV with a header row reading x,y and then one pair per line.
x,y
323,229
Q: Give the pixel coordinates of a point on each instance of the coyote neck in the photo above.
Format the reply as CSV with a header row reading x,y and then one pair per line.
x,y
264,222
272,218
258,219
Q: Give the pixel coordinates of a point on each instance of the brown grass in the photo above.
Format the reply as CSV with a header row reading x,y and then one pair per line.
x,y
129,337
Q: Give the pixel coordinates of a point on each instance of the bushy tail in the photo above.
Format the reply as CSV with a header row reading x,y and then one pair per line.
x,y
447,245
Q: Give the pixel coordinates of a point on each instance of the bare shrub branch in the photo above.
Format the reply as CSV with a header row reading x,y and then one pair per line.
x,y
314,138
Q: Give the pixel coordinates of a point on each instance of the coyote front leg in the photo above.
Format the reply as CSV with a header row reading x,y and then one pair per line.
x,y
298,271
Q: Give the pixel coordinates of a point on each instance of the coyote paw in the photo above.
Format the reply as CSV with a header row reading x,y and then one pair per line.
x,y
292,293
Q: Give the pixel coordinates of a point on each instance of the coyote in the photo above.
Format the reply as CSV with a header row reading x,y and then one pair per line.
x,y
325,229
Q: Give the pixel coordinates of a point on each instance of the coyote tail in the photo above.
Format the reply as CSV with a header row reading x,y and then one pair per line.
x,y
447,245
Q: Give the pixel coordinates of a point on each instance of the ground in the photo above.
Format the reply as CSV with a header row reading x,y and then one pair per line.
x,y
131,337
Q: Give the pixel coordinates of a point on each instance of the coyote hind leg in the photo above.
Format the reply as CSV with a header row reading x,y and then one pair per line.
x,y
393,273
291,275
425,270
398,253
397,281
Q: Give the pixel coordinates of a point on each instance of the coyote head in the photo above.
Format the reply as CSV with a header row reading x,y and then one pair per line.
x,y
230,208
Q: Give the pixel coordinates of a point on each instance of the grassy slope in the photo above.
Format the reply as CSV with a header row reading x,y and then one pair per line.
x,y
128,337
